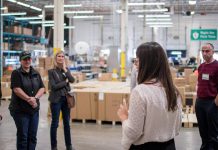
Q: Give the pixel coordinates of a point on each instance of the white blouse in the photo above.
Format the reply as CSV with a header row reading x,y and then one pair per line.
x,y
149,119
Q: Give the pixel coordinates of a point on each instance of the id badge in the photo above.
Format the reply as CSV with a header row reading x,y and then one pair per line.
x,y
205,76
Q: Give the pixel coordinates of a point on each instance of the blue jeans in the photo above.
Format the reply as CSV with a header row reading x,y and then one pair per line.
x,y
55,111
27,126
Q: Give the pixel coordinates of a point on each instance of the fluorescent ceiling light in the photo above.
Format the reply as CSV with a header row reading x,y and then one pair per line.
x,y
13,1
27,18
14,14
36,8
159,23
50,25
65,6
85,17
148,4
158,19
160,26
4,8
23,4
40,16
158,16
192,13
140,16
69,27
42,22
79,12
191,2
69,6
119,11
150,10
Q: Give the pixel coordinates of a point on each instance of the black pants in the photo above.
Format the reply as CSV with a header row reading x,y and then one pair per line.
x,y
169,145
207,116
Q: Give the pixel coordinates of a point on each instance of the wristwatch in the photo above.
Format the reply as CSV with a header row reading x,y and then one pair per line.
x,y
37,98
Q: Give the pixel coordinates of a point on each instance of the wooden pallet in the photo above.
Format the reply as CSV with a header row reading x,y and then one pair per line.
x,y
84,121
101,122
192,120
6,98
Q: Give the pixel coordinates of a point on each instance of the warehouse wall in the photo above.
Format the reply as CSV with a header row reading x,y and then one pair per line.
x,y
177,37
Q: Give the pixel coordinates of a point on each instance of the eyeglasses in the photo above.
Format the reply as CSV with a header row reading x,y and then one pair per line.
x,y
205,51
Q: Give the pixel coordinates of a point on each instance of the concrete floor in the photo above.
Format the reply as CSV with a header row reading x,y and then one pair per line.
x,y
87,136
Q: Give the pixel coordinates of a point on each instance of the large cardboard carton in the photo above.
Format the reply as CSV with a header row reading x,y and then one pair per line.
x,y
187,73
94,105
105,77
41,61
113,101
83,105
180,82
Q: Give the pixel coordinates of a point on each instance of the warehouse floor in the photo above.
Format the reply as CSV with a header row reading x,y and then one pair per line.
x,y
87,136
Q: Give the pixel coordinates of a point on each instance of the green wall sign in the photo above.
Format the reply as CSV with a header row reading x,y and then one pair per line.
x,y
203,34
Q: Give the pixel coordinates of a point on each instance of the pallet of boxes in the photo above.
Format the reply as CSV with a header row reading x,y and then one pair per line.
x,y
187,88
99,100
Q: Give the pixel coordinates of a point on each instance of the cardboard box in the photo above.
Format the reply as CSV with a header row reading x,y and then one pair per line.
x,y
83,105
6,92
182,93
94,105
113,101
187,73
180,82
105,77
101,107
27,31
6,78
41,61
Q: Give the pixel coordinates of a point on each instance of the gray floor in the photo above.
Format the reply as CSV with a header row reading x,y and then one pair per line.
x,y
84,136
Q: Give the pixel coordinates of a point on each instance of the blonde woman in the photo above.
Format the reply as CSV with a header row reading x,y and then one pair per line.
x,y
59,78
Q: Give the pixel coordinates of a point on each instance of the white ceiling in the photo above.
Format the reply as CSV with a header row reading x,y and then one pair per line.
x,y
109,6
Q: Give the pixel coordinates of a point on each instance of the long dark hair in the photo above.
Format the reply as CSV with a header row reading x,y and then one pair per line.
x,y
153,64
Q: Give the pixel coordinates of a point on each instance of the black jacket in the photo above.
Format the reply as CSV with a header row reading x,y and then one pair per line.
x,y
58,84
30,83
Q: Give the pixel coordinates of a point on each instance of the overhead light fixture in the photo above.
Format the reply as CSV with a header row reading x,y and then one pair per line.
x,y
42,22
150,10
14,14
119,11
159,23
86,17
13,1
158,19
50,25
23,4
36,8
41,16
140,16
79,12
142,4
160,26
158,16
69,27
28,18
192,2
192,13
65,6
4,8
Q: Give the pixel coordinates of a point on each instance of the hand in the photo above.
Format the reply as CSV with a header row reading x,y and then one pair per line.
x,y
64,66
123,111
216,101
32,102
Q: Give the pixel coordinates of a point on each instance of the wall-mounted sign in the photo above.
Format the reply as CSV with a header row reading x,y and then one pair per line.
x,y
203,34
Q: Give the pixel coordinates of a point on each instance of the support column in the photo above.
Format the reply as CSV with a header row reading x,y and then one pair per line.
x,y
124,34
1,39
144,25
58,25
43,19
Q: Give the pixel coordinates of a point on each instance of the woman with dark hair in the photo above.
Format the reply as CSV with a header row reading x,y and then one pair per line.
x,y
154,115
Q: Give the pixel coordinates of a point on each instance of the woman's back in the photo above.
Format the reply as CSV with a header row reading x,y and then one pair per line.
x,y
148,113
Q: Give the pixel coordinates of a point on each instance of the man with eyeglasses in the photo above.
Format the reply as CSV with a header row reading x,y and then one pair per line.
x,y
207,99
